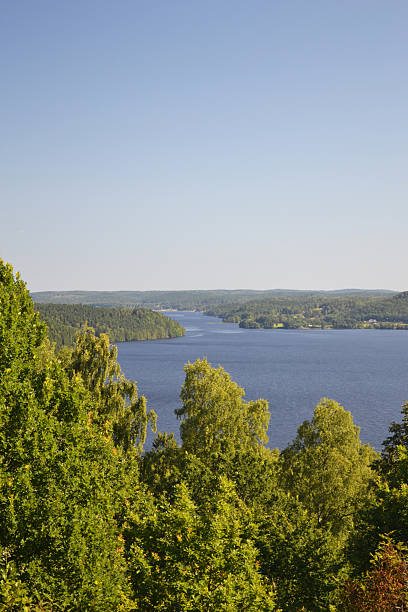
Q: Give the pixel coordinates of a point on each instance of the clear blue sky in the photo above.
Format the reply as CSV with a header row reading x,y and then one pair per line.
x,y
204,144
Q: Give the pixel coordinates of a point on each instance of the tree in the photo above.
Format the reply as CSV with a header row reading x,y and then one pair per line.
x,y
254,473
328,468
398,437
196,557
216,421
21,331
382,589
116,398
297,555
63,483
386,512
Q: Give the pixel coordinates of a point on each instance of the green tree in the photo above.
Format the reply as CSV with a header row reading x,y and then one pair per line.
x,y
121,324
386,512
63,482
215,419
167,465
21,331
196,557
225,433
300,558
254,474
328,468
398,437
115,398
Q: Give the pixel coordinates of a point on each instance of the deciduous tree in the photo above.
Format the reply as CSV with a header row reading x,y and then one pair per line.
x,y
216,420
328,468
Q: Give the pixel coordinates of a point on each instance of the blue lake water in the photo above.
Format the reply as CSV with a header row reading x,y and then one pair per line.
x,y
364,370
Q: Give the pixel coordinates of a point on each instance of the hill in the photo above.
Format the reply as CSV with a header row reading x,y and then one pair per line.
x,y
121,324
184,300
319,311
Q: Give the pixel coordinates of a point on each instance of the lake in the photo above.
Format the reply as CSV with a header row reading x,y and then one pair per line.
x,y
364,370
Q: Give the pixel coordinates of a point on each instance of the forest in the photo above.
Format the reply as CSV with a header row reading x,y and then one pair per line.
x,y
319,311
121,324
91,520
200,300
175,300
271,309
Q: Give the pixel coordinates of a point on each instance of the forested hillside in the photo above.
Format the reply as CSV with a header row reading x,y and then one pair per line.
x,y
177,300
319,311
184,300
121,324
89,521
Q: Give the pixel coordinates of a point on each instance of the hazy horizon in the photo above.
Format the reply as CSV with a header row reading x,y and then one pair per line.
x,y
344,289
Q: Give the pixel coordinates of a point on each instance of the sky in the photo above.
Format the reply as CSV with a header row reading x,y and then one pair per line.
x,y
191,144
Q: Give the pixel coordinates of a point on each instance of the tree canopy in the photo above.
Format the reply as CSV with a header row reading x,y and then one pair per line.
x,y
319,310
90,521
65,321
327,467
216,420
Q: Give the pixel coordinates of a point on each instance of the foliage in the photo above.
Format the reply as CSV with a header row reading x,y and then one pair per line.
x,y
391,446
387,509
21,331
168,465
220,522
62,480
61,489
216,421
184,300
197,558
303,560
95,361
64,321
319,310
179,300
382,589
328,468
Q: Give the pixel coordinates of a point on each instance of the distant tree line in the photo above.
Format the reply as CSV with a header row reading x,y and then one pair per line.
x,y
220,522
184,300
175,300
121,324
319,311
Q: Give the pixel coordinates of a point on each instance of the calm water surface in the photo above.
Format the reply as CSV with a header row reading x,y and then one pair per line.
x,y
364,370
